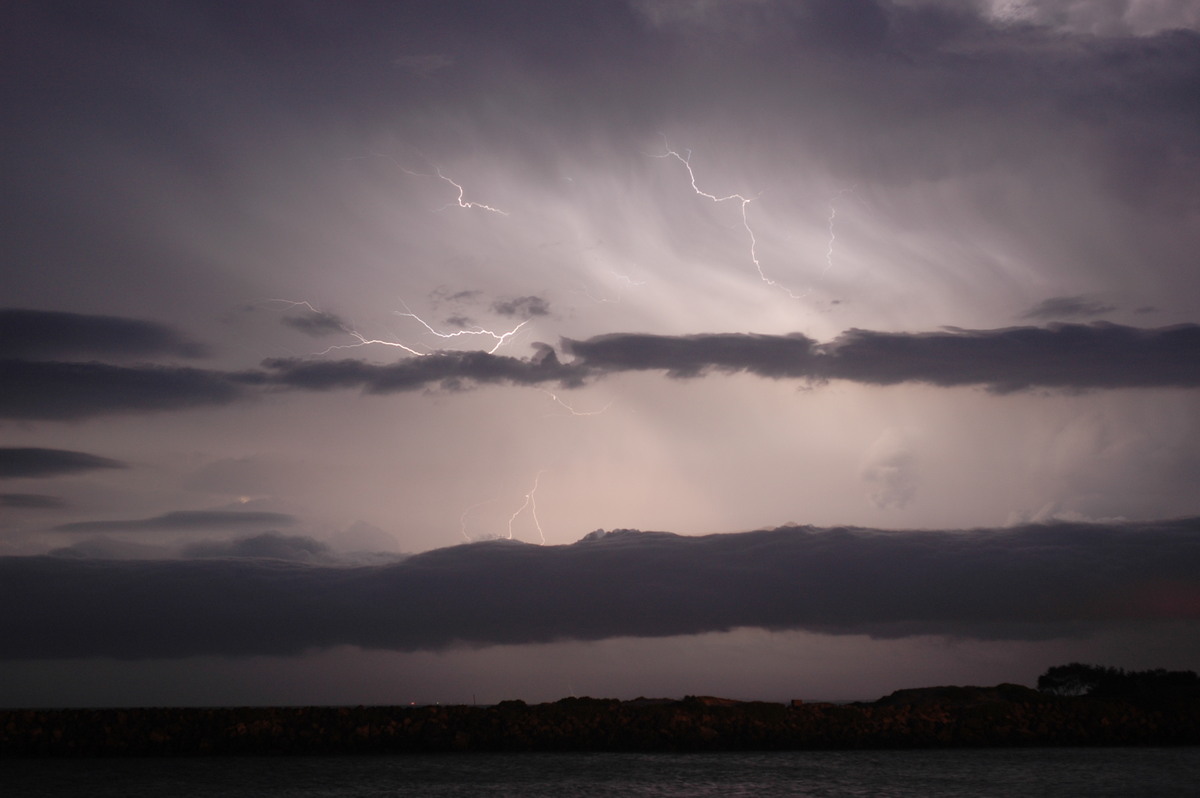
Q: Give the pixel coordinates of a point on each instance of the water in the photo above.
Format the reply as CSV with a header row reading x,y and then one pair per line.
x,y
889,774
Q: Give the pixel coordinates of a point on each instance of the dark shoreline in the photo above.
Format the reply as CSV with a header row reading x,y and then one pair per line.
x,y
941,717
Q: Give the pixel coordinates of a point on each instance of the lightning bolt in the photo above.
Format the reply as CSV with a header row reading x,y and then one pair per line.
x,y
553,396
743,202
292,303
531,505
362,339
500,338
832,237
460,201
462,520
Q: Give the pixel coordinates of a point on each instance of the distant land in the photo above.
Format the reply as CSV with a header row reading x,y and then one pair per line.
x,y
1006,715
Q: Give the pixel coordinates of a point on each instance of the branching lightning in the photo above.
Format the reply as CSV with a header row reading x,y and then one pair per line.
x,y
364,341
361,340
531,505
500,338
292,303
743,202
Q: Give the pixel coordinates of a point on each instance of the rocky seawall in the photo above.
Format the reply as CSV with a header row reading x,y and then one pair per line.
x,y
1006,715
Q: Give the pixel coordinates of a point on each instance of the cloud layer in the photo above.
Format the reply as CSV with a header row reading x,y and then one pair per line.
x,y
182,520
36,462
1062,356
1070,356
1028,582
39,334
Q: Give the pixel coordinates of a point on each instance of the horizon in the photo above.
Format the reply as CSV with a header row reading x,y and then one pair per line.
x,y
884,312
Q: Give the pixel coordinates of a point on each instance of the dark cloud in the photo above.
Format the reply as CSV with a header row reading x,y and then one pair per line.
x,y
28,461
1030,582
1068,356
39,334
269,545
445,295
1067,307
59,391
317,324
182,520
692,355
525,307
31,501
449,370
102,548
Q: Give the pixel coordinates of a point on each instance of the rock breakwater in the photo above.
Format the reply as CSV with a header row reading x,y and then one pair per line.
x,y
1006,715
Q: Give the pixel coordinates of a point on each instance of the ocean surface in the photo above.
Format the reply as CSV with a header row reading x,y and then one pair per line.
x,y
991,772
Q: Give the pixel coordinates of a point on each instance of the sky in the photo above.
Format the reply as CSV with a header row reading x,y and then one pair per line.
x,y
450,351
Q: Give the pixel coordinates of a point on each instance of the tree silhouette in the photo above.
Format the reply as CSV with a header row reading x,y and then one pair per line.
x,y
1077,678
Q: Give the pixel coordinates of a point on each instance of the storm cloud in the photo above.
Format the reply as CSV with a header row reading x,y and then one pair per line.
x,y
31,501
1069,356
448,370
40,334
65,391
1029,582
1062,356
34,462
525,307
268,545
1058,356
317,324
974,201
182,520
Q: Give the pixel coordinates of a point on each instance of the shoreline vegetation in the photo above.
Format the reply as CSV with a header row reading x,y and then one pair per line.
x,y
1006,715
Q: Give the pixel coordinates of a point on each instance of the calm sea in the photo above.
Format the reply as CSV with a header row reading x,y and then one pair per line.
x,y
1027,772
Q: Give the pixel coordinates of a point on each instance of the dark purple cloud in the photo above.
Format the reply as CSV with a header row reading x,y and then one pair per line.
x,y
1066,356
268,545
31,501
1062,356
1028,582
42,334
775,356
525,307
60,391
450,370
183,520
316,324
30,461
